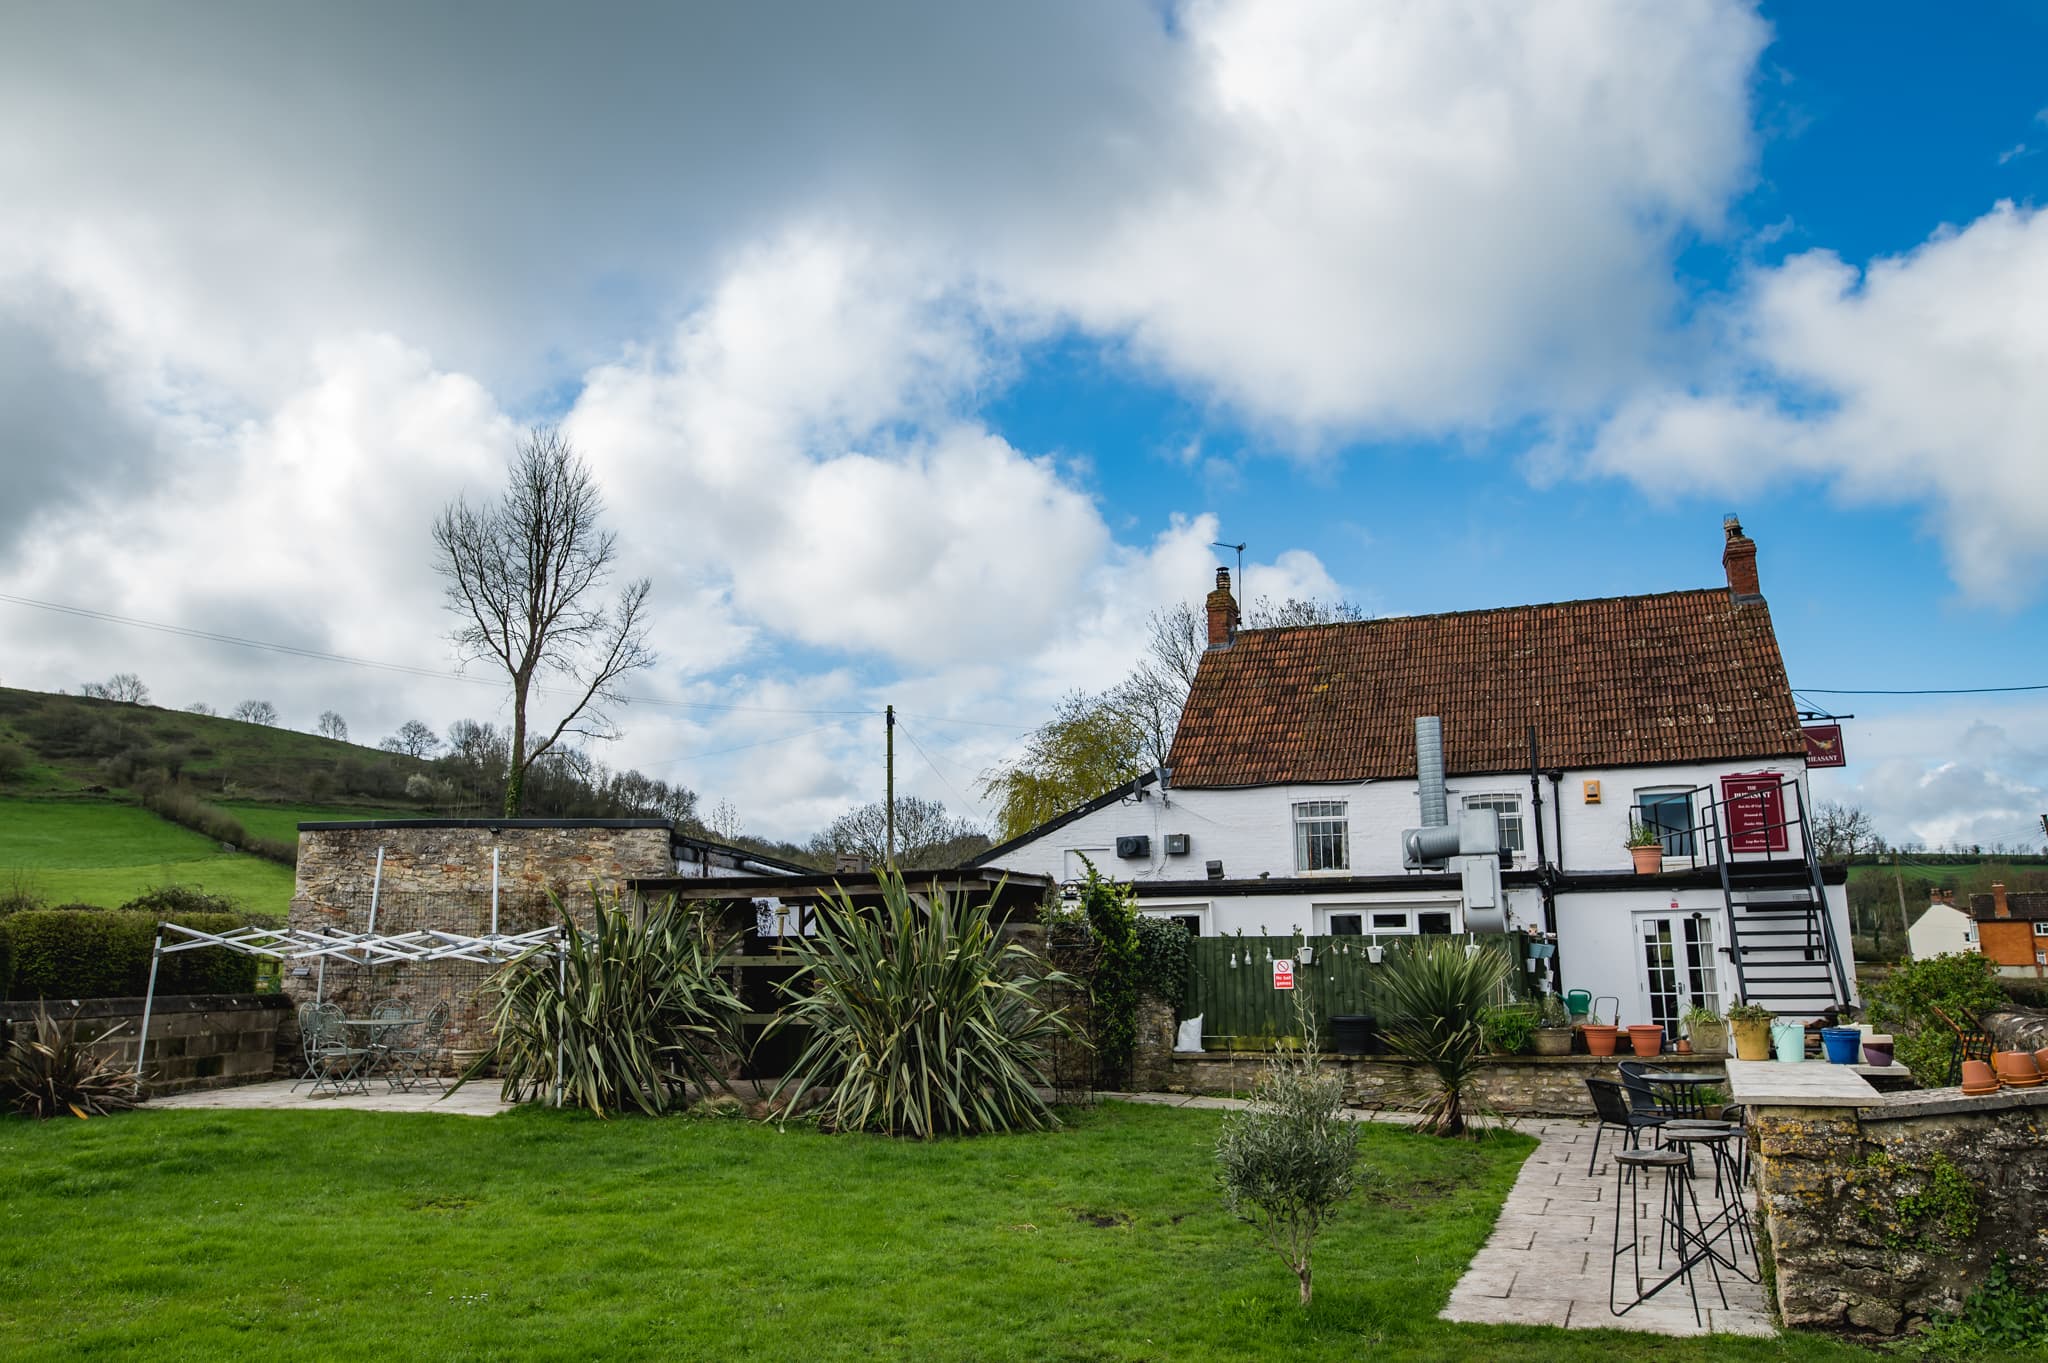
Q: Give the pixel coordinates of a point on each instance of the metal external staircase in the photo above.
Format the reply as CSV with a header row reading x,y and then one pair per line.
x,y
1782,940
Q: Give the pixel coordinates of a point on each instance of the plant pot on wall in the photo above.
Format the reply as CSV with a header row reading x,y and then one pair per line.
x,y
1752,1036
1600,1038
1647,1038
1552,1041
1708,1038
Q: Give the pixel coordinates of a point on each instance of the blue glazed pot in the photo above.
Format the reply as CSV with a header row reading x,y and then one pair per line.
x,y
1842,1044
1790,1040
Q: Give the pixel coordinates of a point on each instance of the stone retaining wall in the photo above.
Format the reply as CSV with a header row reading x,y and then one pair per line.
x,y
1518,1085
195,1041
1880,1216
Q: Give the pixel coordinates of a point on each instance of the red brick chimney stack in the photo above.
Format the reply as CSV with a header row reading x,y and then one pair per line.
x,y
1222,612
1739,558
1999,908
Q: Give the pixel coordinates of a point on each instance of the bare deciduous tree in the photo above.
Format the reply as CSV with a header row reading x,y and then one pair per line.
x,y
1266,613
414,739
1841,831
255,712
122,686
724,822
331,725
200,707
927,837
523,574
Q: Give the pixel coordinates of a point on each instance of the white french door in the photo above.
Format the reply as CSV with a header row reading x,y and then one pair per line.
x,y
1676,967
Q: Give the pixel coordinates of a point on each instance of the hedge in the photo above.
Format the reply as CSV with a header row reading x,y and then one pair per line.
x,y
104,953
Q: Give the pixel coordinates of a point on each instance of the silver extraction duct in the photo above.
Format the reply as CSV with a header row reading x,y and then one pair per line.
x,y
1429,770
1471,850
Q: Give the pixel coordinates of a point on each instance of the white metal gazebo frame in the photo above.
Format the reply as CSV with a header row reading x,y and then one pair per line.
x,y
418,947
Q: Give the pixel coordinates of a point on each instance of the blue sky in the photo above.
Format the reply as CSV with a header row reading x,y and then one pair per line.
x,y
922,353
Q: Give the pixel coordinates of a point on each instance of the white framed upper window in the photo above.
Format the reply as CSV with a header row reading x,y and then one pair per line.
x,y
1364,920
1668,814
2041,927
1509,808
1322,836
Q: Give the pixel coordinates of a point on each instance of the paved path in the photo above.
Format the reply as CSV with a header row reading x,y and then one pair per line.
x,y
1547,1261
474,1100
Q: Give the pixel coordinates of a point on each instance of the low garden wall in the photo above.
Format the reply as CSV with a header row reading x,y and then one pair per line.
x,y
1881,1215
195,1040
1519,1085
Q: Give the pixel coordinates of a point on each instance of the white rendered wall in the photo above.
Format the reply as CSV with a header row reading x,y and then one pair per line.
x,y
1943,929
1251,830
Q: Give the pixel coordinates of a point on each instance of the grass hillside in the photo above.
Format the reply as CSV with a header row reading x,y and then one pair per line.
x,y
102,851
74,769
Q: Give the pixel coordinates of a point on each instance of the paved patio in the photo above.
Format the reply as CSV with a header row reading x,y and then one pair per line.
x,y
1547,1260
474,1100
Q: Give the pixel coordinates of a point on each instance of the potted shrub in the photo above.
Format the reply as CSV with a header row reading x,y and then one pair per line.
x,y
1508,1030
1553,1034
1646,845
1706,1030
1600,1036
1750,1024
1647,1038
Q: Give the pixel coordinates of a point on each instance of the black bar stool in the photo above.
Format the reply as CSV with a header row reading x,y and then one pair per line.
x,y
1731,1221
1677,1235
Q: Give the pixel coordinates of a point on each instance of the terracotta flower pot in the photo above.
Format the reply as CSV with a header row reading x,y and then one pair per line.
x,y
2016,1069
1649,860
1685,1046
1978,1078
1752,1039
2041,1059
1600,1038
1647,1038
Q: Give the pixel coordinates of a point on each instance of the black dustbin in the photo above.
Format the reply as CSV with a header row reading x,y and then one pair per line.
x,y
1355,1033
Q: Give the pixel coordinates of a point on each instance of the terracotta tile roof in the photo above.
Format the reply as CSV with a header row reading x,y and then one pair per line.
x,y
2025,904
1674,677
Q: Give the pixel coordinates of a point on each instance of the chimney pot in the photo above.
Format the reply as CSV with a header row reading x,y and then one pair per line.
x,y
1222,607
1999,908
1739,558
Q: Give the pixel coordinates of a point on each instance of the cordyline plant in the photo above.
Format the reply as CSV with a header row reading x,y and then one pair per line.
x,y
1438,996
50,1072
921,1020
633,1009
1288,1161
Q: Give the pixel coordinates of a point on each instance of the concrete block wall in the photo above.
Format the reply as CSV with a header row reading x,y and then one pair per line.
x,y
195,1041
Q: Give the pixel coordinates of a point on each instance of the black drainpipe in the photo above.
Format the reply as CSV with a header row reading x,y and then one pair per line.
x,y
1543,877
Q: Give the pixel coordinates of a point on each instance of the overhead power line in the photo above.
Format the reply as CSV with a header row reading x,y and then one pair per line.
x,y
1923,691
405,669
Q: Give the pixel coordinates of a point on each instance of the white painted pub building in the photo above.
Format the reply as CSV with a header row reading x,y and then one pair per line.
x,y
1293,799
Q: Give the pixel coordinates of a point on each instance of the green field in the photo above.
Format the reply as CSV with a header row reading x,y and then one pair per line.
x,y
106,852
281,821
549,1235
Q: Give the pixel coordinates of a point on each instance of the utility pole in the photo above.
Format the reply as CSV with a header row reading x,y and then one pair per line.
x,y
889,796
1899,879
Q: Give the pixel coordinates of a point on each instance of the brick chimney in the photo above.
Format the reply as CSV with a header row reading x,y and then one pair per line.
x,y
1999,908
1222,612
1739,558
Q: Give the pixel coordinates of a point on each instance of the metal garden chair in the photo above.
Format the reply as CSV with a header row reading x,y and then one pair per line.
x,y
333,1062
414,1059
1611,1104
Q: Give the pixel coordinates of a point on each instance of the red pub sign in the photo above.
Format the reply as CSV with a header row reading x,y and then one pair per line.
x,y
1824,746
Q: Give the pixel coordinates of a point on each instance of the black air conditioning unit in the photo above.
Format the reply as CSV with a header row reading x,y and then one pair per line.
x,y
1176,844
1134,847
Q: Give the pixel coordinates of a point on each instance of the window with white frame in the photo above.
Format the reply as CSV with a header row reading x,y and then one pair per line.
x,y
1322,836
1668,814
1344,925
1509,807
1189,916
2041,927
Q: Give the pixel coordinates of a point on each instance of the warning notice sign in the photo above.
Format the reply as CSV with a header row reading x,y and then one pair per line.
x,y
1283,974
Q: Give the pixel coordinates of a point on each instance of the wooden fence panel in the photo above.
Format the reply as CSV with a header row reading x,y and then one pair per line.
x,y
1231,984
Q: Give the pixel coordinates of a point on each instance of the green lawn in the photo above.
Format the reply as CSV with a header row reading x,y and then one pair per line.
x,y
106,852
545,1235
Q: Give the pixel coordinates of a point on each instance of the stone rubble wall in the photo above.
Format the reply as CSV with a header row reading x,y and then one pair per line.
x,y
1515,1085
1878,1217
439,876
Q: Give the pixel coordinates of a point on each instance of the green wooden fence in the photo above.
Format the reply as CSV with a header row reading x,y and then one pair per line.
x,y
1241,1010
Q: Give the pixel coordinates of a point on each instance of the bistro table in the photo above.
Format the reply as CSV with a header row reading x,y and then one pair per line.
x,y
378,1034
1678,1095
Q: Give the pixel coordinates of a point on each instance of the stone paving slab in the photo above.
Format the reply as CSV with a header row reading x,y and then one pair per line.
x,y
474,1100
1546,1262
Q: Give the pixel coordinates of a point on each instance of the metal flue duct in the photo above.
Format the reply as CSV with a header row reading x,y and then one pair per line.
x,y
1429,770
